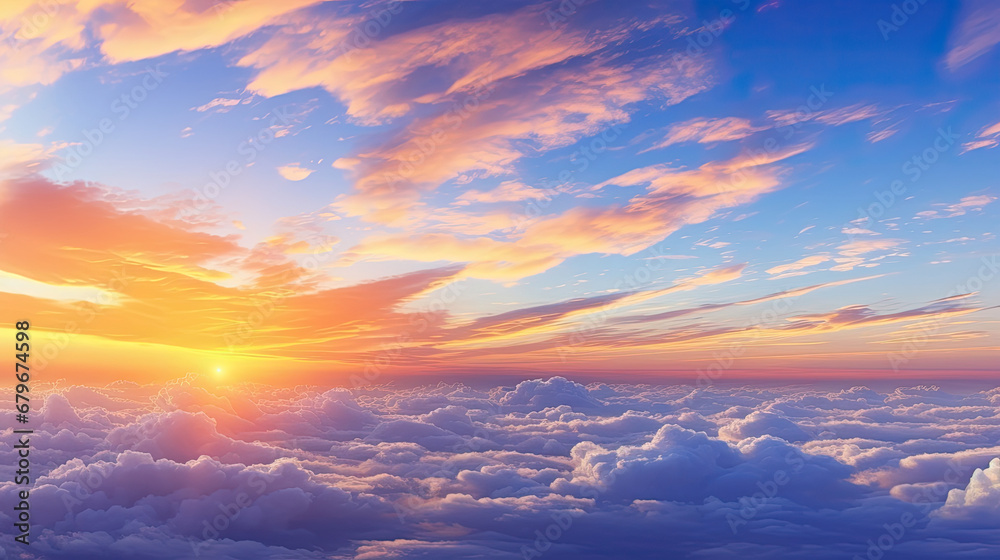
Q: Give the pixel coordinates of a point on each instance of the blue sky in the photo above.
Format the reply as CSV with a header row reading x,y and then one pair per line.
x,y
542,160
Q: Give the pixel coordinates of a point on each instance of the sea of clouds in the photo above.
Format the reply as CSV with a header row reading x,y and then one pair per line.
x,y
547,469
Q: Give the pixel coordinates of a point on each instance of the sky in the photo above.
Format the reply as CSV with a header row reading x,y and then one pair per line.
x,y
441,280
342,192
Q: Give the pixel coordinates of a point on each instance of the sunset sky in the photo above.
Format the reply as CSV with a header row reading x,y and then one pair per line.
x,y
306,191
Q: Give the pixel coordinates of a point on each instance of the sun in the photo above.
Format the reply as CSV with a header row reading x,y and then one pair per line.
x,y
218,372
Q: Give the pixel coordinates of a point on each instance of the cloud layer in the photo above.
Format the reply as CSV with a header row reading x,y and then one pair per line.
x,y
547,468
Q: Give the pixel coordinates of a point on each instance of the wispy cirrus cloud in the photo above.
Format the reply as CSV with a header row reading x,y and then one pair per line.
x,y
554,317
573,102
706,131
987,137
967,204
673,198
976,34
726,129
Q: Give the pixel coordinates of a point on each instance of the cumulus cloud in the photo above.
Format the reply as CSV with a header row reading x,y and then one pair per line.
x,y
980,497
550,465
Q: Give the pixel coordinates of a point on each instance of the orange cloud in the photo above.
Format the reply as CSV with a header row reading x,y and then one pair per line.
x,y
864,246
804,262
49,38
554,317
88,267
139,30
367,77
508,191
482,134
988,137
705,131
295,172
674,198
487,101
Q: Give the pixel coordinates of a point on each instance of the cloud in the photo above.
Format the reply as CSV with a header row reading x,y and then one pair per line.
x,y
552,392
49,39
832,117
556,317
865,246
804,262
876,136
709,130
139,260
706,131
845,115
448,471
966,204
221,104
987,137
20,160
150,29
759,424
508,191
505,85
294,172
980,498
853,316
975,34
673,198
484,131
480,50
